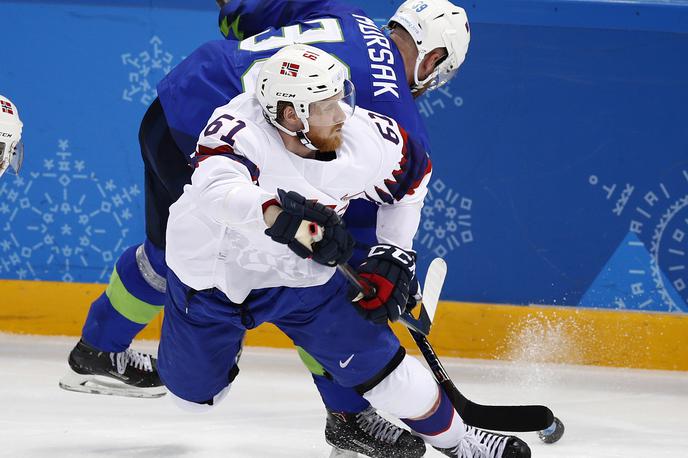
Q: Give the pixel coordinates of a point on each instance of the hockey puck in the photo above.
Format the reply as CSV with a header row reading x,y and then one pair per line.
x,y
553,433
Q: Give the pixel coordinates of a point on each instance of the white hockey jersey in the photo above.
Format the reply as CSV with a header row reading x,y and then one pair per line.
x,y
215,232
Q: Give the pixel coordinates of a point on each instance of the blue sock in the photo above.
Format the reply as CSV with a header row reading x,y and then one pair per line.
x,y
131,300
437,423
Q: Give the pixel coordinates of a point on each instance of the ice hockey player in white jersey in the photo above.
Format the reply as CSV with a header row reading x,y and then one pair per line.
x,y
375,162
271,169
11,146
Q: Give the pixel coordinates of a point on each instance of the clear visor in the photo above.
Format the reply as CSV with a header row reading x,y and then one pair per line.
x,y
333,110
440,78
437,78
11,155
17,157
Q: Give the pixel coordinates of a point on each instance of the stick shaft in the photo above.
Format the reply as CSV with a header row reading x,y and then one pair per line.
x,y
366,290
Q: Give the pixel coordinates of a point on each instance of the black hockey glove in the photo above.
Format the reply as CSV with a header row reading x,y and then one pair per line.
x,y
415,295
337,244
392,271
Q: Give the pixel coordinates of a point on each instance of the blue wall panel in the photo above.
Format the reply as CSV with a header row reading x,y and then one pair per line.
x,y
82,77
560,150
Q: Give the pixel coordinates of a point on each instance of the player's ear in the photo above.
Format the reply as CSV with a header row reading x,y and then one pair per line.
x,y
290,120
431,61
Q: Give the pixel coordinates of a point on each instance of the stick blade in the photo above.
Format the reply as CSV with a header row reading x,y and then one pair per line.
x,y
507,418
434,280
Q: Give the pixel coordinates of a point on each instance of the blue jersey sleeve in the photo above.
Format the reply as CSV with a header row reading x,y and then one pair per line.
x,y
241,19
206,79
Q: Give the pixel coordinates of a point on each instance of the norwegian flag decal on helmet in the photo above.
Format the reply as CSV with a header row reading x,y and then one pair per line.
x,y
6,107
289,69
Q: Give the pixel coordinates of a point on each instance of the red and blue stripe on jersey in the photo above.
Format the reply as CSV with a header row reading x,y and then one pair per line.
x,y
204,152
414,166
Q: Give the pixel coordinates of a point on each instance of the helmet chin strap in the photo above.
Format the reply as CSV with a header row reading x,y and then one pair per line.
x,y
303,138
305,141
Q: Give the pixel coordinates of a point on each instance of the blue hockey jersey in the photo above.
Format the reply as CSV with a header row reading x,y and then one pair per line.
x,y
219,70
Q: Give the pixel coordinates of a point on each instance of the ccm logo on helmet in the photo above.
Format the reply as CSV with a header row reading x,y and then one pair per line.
x,y
284,94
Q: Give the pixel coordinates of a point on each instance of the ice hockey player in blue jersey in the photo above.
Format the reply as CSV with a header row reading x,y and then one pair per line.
x,y
241,250
425,46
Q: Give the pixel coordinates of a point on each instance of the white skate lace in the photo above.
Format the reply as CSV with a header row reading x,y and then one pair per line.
x,y
470,447
378,427
486,445
133,358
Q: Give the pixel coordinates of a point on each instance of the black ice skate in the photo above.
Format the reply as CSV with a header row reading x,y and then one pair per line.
x,y
128,373
370,435
483,444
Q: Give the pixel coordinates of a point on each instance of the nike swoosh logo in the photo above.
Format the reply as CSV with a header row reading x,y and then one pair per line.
x,y
346,363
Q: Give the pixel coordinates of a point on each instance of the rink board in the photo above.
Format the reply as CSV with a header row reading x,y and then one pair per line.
x,y
469,330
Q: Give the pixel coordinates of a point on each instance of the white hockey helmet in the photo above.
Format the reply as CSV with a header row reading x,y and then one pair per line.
x,y
11,146
313,81
435,24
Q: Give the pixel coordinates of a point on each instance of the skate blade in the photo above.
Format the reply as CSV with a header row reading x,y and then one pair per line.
x,y
339,453
94,384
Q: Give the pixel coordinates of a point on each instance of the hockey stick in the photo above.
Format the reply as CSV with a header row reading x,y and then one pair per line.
x,y
499,418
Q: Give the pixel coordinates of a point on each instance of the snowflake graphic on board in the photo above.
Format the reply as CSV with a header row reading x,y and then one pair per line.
x,y
62,223
446,223
657,214
146,68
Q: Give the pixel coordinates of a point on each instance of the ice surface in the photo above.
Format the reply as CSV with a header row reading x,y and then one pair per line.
x,y
274,410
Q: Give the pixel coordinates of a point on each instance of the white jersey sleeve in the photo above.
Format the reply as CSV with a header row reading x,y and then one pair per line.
x,y
228,160
400,185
